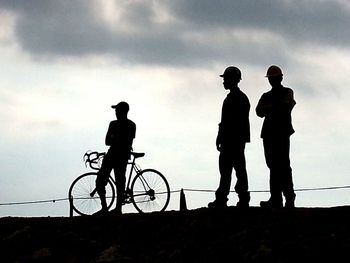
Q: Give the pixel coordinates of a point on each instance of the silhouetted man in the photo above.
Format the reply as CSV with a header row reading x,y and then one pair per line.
x,y
120,135
276,107
234,133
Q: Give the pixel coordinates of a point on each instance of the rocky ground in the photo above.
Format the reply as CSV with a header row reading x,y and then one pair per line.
x,y
202,235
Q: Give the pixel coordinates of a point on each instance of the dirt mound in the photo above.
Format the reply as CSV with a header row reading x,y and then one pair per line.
x,y
202,235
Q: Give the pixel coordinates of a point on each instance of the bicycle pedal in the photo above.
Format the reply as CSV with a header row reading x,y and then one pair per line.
x,y
127,201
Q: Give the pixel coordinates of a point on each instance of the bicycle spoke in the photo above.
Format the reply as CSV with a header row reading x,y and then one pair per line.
x,y
150,191
80,191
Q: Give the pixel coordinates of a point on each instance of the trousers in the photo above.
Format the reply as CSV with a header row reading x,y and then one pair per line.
x,y
229,159
276,150
118,162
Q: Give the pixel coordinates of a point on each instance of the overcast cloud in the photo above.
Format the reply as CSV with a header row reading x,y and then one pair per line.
x,y
64,62
178,32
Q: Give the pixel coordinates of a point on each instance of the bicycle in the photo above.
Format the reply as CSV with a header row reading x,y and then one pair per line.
x,y
148,190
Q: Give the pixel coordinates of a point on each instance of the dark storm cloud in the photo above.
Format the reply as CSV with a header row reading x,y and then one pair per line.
x,y
57,27
77,28
301,20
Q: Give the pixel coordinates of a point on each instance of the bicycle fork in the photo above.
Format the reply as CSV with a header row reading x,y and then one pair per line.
x,y
150,192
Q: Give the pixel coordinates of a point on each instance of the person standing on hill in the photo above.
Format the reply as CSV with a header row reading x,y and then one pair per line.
x,y
276,106
234,133
120,136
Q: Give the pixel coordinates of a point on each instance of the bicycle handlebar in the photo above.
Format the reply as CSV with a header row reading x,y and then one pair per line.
x,y
94,159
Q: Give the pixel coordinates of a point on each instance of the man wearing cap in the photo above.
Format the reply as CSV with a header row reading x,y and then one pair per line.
x,y
233,134
275,106
120,135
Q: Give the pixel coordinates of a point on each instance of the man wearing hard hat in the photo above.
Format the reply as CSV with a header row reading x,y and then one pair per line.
x,y
276,106
234,133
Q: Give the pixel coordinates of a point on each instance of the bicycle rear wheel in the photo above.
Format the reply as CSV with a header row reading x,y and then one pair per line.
x,y
150,191
84,198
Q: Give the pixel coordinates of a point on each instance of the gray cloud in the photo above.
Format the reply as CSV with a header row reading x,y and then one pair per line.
x,y
302,20
77,28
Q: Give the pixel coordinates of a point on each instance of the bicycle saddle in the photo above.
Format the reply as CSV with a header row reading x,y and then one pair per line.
x,y
137,155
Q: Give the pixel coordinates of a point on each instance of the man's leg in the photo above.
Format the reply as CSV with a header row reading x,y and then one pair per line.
x,y
241,186
119,173
102,180
225,168
286,173
271,156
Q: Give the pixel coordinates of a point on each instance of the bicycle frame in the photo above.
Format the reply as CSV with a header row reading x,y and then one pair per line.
x,y
137,169
134,167
96,160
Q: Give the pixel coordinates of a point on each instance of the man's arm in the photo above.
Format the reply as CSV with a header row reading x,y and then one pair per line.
x,y
289,101
263,107
130,136
109,136
286,103
218,140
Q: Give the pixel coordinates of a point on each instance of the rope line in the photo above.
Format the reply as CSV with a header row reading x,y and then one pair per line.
x,y
267,191
177,191
35,202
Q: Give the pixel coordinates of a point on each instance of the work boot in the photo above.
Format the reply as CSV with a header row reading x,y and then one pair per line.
x,y
217,204
271,204
116,211
101,212
244,199
290,202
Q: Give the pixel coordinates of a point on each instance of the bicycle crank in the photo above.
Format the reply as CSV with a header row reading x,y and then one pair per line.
x,y
92,194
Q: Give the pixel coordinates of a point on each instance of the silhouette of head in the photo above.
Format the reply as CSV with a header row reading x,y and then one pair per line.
x,y
232,76
274,75
121,110
274,71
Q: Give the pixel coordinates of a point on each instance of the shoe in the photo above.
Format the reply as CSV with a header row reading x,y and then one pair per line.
x,y
290,203
217,204
101,212
244,199
116,211
271,204
242,204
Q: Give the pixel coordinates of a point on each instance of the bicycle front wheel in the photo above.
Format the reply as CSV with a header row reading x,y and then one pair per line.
x,y
83,195
150,191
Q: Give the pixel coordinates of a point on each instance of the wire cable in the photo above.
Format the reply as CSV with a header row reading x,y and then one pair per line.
x,y
35,202
177,191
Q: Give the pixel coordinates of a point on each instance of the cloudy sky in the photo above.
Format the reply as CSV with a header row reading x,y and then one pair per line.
x,y
63,63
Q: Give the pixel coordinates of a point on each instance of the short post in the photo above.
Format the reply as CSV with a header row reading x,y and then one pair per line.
x,y
70,206
183,205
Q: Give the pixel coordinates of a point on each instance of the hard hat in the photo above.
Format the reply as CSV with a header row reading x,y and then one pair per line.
x,y
232,71
121,106
274,71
